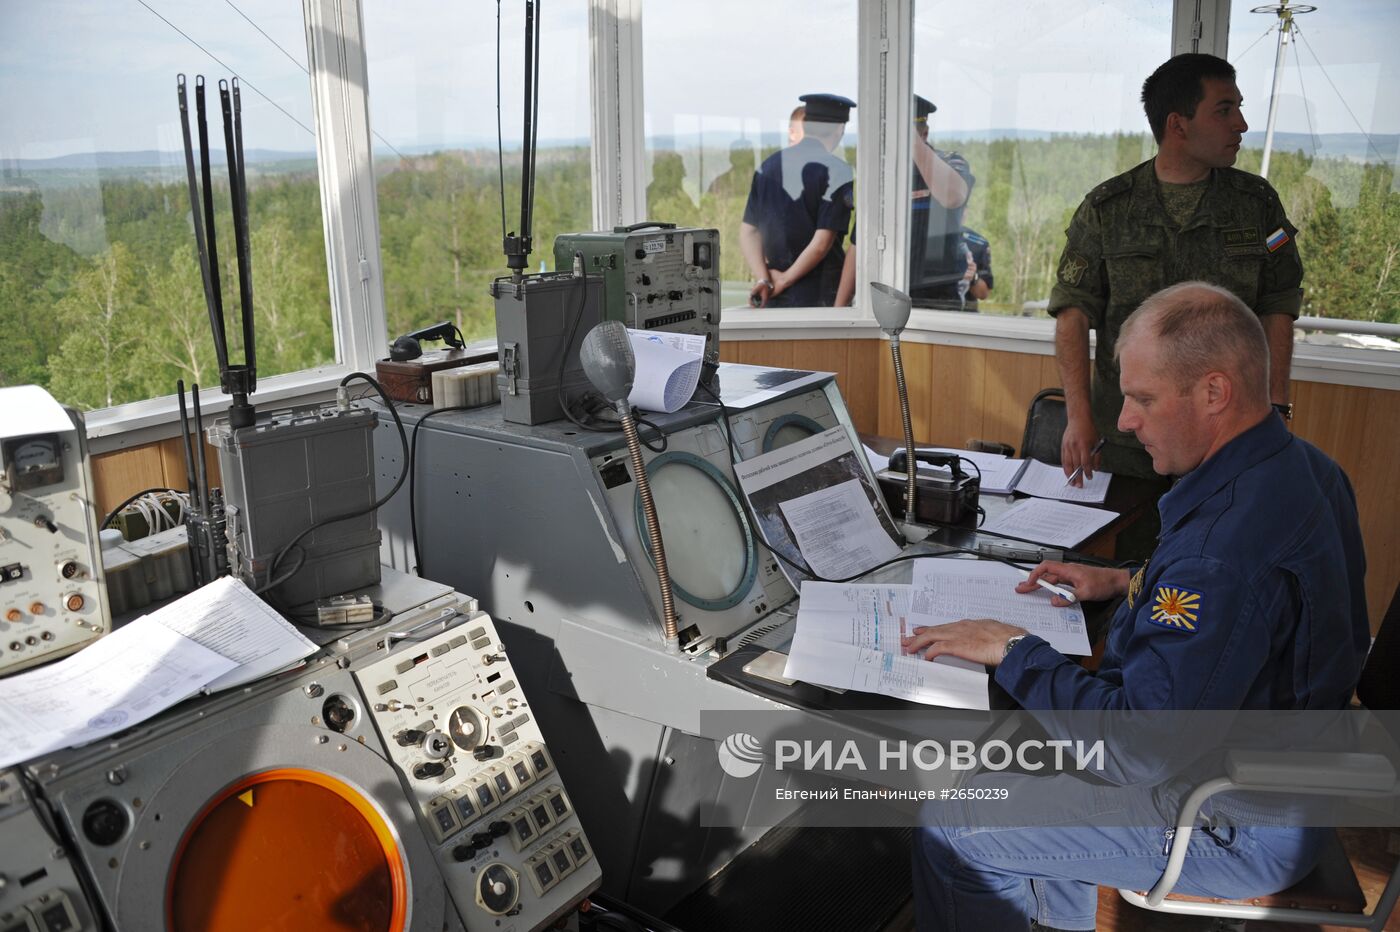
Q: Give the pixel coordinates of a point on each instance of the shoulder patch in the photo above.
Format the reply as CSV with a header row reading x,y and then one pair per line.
x,y
1177,608
1113,187
1072,268
1250,183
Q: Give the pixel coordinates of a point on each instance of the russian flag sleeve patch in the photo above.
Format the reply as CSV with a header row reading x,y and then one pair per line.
x,y
1276,240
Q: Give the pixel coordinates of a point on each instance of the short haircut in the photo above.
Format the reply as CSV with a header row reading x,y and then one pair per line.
x,y
1203,328
798,114
1178,86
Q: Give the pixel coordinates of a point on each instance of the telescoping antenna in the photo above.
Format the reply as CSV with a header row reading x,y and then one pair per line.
x,y
236,380
517,248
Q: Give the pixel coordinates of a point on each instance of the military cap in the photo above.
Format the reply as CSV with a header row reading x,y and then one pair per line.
x,y
827,108
922,108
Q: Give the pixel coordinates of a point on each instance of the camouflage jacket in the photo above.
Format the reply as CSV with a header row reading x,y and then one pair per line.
x,y
1122,247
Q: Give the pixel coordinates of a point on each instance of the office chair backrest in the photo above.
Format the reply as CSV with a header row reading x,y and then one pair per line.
x,y
1045,426
1379,687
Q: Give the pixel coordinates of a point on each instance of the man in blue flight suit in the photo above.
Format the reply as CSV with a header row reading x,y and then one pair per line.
x,y
1244,605
798,211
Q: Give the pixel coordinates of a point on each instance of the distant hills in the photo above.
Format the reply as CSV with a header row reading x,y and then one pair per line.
x,y
145,162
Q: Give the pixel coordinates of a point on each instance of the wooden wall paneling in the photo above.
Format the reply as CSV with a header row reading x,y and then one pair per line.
x,y
1360,429
957,380
123,473
1011,381
860,382
918,382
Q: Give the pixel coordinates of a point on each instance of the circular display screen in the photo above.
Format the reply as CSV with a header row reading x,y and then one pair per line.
x,y
789,428
708,547
288,850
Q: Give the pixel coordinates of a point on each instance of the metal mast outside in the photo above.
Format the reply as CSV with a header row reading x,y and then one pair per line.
x,y
1286,27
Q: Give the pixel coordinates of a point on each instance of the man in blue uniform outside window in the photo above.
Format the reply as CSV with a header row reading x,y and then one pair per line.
x,y
1244,605
798,212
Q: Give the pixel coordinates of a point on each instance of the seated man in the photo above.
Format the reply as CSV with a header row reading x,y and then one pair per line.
x,y
1247,603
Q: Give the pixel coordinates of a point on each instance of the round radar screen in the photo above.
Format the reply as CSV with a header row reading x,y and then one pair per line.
x,y
287,849
709,544
789,428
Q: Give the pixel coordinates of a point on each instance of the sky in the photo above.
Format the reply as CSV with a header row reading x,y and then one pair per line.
x,y
95,75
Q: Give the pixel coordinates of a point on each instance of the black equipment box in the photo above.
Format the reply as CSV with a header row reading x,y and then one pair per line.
x,y
939,498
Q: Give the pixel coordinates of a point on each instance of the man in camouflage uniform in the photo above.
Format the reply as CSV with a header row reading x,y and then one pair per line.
x,y
1184,215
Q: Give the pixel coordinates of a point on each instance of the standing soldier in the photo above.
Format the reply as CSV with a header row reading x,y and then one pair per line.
x,y
1184,215
798,211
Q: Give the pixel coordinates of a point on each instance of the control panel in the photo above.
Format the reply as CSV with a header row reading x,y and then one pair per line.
x,y
52,601
39,891
658,277
460,732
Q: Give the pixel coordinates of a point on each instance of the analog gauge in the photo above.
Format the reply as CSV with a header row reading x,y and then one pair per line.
x,y
466,728
33,461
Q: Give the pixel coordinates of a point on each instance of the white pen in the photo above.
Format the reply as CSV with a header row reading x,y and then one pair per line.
x,y
1061,591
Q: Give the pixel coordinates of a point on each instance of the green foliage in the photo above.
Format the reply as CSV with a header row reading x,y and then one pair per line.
x,y
101,298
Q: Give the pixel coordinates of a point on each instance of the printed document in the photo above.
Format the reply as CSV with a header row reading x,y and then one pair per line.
x,y
952,589
1046,521
848,637
226,617
127,677
816,506
668,369
1045,481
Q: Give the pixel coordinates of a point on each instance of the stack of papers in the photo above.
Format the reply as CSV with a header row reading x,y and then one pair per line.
x,y
218,636
1002,475
849,636
1049,522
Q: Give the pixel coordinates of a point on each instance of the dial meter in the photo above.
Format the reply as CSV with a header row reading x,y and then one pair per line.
x,y
52,596
33,462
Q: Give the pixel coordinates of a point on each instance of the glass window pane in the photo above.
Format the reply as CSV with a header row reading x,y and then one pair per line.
x,y
709,129
1333,153
432,71
1036,108
100,291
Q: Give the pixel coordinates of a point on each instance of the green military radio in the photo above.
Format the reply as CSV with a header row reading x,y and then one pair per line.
x,y
656,276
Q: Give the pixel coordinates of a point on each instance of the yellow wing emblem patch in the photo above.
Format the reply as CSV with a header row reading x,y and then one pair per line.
x,y
1177,608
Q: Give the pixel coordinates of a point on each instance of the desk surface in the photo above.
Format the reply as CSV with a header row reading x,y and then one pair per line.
x,y
1128,496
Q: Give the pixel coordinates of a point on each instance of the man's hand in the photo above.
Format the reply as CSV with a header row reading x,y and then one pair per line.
x,y
1090,583
1076,448
760,293
981,640
781,282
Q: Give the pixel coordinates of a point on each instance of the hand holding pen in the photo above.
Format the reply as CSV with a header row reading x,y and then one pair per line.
x,y
1076,478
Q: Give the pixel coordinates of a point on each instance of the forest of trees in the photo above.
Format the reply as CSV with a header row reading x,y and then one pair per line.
x,y
101,301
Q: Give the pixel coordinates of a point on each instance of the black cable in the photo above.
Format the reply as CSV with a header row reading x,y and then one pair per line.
x,y
412,483
107,521
272,581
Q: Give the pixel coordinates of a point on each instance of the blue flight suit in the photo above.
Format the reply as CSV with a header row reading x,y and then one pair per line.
x,y
1246,604
796,192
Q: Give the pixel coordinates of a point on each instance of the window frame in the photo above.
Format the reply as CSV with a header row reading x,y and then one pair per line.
x,y
339,87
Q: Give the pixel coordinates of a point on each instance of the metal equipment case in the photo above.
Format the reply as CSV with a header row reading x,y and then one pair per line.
x,y
290,469
542,522
400,778
658,277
